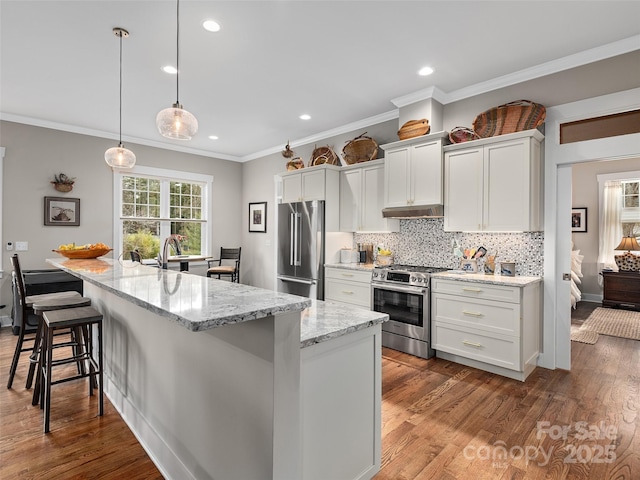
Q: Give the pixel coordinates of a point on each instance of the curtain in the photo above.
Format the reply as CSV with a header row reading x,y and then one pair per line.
x,y
610,225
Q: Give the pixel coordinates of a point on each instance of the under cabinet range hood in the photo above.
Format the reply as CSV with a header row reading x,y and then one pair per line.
x,y
414,211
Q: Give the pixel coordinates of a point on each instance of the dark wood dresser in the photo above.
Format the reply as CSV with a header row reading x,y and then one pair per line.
x,y
621,290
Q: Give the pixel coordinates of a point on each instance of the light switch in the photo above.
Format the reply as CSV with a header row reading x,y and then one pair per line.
x,y
22,246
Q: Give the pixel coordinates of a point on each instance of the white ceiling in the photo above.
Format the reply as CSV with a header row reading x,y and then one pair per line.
x,y
339,61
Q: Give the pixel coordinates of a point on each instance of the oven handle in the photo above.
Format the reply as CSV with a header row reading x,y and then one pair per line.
x,y
396,288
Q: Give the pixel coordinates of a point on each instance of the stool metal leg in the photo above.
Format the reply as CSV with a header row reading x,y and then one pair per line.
x,y
47,380
100,370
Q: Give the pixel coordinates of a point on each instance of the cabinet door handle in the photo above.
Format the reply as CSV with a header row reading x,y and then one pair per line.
x,y
473,314
472,344
348,292
469,289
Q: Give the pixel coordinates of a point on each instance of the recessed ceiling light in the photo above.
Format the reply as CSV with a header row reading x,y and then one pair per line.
x,y
213,137
305,117
170,69
211,25
424,71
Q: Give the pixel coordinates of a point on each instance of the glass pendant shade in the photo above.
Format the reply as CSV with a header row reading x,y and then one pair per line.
x,y
176,123
120,157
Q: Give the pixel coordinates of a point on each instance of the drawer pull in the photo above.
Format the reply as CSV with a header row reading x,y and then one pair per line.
x,y
347,274
474,290
472,344
348,292
472,314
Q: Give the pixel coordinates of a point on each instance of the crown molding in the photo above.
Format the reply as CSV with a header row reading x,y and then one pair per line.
x,y
374,120
36,122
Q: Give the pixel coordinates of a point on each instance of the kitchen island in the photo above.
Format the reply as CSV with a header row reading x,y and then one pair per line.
x,y
220,380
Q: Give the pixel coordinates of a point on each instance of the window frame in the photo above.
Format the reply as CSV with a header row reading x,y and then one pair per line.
x,y
164,176
621,177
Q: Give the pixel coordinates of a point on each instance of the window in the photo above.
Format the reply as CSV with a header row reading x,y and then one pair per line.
x,y
155,203
630,214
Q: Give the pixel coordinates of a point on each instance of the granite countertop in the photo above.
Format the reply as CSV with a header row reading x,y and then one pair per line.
x,y
193,301
367,267
200,303
517,281
326,320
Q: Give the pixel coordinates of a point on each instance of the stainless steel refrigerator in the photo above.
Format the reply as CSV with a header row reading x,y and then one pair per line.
x,y
301,238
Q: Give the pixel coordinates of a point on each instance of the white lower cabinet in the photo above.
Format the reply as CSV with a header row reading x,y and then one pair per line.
x,y
351,287
488,326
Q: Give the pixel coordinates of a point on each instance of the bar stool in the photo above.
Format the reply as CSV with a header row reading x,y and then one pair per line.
x,y
74,318
29,321
75,341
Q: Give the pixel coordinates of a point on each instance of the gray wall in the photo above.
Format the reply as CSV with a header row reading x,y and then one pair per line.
x,y
584,193
33,155
258,249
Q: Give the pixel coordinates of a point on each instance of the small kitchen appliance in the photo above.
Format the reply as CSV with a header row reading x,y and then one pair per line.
x,y
404,293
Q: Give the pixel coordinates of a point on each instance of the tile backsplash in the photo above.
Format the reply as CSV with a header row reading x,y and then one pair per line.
x,y
423,241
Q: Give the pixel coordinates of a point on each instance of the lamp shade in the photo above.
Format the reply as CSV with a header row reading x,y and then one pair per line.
x,y
628,244
176,123
120,157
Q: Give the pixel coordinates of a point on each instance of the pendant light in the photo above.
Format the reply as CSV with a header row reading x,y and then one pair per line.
x,y
120,157
175,122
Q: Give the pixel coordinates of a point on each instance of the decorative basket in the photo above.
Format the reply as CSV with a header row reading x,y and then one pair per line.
x,y
63,187
509,118
84,253
295,164
323,155
462,134
414,128
360,149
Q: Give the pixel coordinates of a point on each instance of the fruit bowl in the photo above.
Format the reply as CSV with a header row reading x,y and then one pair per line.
x,y
84,253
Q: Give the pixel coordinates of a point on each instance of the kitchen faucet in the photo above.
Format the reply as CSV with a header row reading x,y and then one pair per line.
x,y
174,239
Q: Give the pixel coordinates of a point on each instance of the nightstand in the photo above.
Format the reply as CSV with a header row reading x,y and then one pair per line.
x,y
621,290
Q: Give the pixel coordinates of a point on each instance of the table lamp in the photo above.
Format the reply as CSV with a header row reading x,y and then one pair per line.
x,y
628,262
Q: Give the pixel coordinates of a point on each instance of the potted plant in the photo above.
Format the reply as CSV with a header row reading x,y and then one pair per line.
x,y
62,183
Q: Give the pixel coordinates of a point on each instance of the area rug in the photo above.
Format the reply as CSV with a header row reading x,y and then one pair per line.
x,y
578,334
612,322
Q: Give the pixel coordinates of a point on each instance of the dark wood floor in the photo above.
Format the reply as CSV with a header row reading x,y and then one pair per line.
x,y
440,421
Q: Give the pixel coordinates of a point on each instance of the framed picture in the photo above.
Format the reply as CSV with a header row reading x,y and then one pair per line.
x,y
62,211
578,219
258,217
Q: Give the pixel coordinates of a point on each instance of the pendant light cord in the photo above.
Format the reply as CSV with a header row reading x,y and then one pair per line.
x,y
120,35
178,52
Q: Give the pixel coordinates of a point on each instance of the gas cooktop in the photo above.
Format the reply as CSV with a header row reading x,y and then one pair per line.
x,y
414,275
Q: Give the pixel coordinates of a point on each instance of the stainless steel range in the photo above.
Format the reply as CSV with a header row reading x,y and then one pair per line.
x,y
403,292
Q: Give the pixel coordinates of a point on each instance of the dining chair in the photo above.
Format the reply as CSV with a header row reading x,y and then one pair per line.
x,y
227,265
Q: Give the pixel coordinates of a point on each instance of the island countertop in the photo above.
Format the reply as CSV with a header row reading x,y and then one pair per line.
x,y
193,301
200,303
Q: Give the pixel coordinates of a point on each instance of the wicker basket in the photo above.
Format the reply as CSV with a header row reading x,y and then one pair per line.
x,y
360,149
323,155
509,118
462,134
84,253
295,164
62,187
414,128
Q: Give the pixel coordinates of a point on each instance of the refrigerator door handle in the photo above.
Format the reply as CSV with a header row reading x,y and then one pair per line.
x,y
292,245
297,280
297,237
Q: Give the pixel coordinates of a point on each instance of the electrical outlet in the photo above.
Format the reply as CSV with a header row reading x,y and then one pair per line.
x,y
9,245
22,246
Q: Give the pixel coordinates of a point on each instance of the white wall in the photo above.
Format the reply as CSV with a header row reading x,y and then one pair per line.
x,y
33,155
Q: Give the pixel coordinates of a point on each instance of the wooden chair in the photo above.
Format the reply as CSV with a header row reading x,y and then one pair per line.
x,y
232,267
30,321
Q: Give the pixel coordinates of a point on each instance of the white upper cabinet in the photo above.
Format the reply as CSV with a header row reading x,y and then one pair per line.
x,y
361,195
321,182
494,184
413,171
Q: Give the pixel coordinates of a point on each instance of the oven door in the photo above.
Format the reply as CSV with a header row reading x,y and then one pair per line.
x,y
407,307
